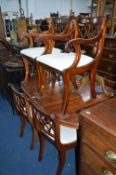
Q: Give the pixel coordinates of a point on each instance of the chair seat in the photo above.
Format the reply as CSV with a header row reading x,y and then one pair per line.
x,y
64,138
67,138
62,61
37,51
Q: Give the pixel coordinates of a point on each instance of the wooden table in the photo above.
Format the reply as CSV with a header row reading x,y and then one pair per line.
x,y
52,99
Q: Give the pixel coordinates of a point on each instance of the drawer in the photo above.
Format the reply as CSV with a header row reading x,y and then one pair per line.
x,y
110,42
98,143
109,54
107,66
85,169
97,163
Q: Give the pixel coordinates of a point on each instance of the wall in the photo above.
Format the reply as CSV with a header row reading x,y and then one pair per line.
x,y
42,9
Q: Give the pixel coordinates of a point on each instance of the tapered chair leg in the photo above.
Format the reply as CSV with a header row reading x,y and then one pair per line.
x,y
74,82
66,93
23,121
34,139
62,157
42,145
92,84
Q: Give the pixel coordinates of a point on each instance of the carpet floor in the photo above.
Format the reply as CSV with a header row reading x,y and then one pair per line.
x,y
16,158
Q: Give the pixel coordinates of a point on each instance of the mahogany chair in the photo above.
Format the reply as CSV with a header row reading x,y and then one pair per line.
x,y
20,106
31,53
71,64
55,130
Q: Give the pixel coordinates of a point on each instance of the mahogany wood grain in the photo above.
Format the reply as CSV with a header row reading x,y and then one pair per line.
x,y
98,136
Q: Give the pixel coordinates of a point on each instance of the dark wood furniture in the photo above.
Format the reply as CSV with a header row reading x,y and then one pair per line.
x,y
105,7
11,67
107,65
98,139
54,129
19,102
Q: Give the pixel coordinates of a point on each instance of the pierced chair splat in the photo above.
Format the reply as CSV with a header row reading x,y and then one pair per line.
x,y
19,102
55,130
70,64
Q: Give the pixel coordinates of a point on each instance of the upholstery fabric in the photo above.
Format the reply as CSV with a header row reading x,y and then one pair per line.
x,y
63,61
36,51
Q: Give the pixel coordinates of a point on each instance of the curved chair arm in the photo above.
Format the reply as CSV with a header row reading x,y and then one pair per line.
x,y
5,44
29,39
21,94
71,121
79,41
8,46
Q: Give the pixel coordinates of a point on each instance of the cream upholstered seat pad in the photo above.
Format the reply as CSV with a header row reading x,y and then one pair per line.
x,y
62,61
67,134
36,51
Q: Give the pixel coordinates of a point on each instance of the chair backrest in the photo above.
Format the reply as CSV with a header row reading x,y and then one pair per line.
x,y
44,121
93,45
89,26
18,100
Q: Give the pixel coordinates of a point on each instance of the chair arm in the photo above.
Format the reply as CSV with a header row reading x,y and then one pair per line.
x,y
29,39
71,121
8,46
48,36
21,94
78,41
5,44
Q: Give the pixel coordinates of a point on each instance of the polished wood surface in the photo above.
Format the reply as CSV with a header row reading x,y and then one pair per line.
x,y
52,99
98,139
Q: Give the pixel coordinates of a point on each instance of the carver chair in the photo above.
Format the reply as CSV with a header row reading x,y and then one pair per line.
x,y
71,64
20,106
54,129
31,53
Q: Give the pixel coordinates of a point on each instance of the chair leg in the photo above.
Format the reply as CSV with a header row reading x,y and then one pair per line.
x,y
26,64
53,78
92,84
73,81
62,157
34,139
41,79
23,121
66,92
42,145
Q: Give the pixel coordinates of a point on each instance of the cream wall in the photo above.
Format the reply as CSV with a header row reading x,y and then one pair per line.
x,y
42,9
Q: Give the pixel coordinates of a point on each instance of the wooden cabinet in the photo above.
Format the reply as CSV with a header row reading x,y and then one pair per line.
x,y
107,66
105,7
98,139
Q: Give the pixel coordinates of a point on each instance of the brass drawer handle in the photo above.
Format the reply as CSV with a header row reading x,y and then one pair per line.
x,y
111,156
111,56
106,172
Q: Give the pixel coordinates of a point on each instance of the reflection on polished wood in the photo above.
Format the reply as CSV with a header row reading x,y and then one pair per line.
x,y
52,99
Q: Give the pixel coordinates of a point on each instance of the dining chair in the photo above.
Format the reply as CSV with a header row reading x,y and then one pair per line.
x,y
53,128
73,63
20,106
48,46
